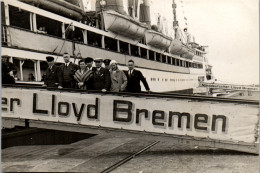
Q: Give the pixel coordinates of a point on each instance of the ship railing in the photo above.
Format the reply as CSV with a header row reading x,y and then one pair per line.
x,y
143,94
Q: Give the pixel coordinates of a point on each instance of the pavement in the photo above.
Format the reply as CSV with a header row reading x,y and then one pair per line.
x,y
98,153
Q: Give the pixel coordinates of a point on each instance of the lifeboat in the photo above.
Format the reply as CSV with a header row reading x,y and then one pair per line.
x,y
115,5
189,54
178,48
157,39
60,7
124,25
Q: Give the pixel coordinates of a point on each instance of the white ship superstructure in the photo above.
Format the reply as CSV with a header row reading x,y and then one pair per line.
x,y
119,30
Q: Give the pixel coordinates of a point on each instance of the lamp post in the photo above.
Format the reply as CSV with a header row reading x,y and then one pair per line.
x,y
102,6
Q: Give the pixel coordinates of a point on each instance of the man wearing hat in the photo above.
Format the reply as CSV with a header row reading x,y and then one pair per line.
x,y
51,77
7,71
101,77
107,63
66,72
89,63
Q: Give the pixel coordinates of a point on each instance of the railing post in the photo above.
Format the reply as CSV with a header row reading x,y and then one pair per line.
x,y
139,51
35,70
39,70
103,41
21,62
129,49
118,46
85,36
7,19
63,30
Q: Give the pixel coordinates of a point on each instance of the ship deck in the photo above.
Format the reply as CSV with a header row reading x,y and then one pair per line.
x,y
105,153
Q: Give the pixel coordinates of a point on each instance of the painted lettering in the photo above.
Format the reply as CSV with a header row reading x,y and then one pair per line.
x,y
63,105
76,113
13,100
127,111
140,111
179,115
35,109
95,107
4,102
200,118
214,121
158,115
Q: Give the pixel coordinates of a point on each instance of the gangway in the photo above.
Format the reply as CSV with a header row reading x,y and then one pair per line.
x,y
230,86
184,119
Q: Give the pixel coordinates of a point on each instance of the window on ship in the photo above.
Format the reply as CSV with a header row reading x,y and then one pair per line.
x,y
181,63
124,47
163,58
3,28
144,53
19,18
110,44
28,71
177,62
48,26
151,55
74,35
94,39
158,57
169,60
134,50
187,64
173,61
44,67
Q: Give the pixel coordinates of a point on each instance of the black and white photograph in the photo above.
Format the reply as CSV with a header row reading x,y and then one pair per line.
x,y
143,86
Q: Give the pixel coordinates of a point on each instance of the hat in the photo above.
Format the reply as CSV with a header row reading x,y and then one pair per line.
x,y
49,58
113,62
5,56
88,59
98,60
107,61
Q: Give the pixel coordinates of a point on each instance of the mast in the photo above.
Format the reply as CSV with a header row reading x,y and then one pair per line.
x,y
175,22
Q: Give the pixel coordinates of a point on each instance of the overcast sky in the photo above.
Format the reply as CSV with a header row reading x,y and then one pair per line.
x,y
231,30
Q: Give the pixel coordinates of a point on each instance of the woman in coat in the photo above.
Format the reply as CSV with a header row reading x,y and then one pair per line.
x,y
82,75
118,78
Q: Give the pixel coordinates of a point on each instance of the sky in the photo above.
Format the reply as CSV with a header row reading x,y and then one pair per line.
x,y
231,30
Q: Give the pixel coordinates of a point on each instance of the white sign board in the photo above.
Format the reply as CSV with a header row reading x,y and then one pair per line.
x,y
230,87
207,119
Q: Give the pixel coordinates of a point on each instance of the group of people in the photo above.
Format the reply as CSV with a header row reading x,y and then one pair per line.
x,y
86,77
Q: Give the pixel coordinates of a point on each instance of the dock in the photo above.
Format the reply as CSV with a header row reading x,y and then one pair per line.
x,y
106,153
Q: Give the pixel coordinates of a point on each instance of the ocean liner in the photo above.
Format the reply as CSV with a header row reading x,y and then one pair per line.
x,y
157,40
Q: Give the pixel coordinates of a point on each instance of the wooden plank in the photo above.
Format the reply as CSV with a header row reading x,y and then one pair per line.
x,y
105,160
68,159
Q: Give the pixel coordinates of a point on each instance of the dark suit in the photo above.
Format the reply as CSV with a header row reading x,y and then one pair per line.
x,y
70,82
6,68
133,84
90,82
51,77
101,79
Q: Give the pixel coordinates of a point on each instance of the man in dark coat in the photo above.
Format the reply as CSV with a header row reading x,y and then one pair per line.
x,y
107,63
66,72
7,71
51,77
101,77
89,83
134,77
